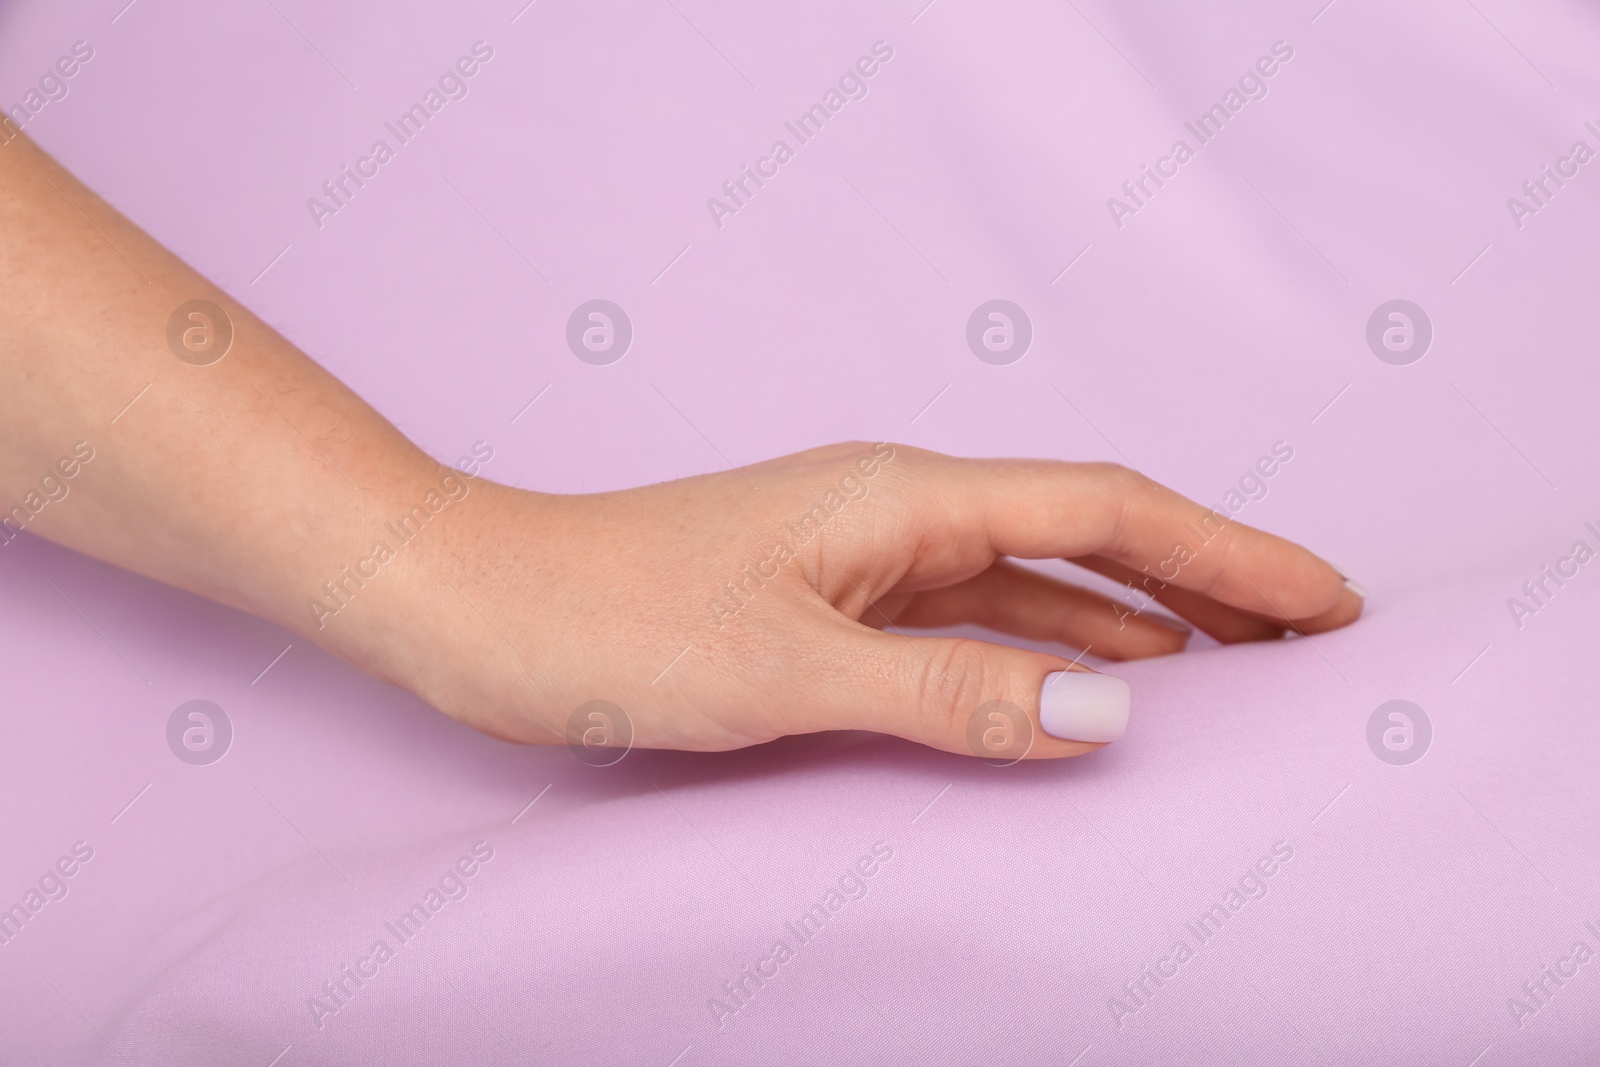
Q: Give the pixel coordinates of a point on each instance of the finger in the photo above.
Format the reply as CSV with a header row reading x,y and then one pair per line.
x,y
964,696
1016,600
1035,509
1226,624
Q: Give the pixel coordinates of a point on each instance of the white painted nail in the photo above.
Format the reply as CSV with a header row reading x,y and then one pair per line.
x,y
1083,706
1350,584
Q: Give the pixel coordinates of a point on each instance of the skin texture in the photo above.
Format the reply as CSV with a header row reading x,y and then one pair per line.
x,y
259,478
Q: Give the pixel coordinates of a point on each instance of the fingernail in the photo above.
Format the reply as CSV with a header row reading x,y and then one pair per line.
x,y
1354,586
1083,706
1176,625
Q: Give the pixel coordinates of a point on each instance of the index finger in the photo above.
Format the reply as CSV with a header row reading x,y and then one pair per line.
x,y
1041,509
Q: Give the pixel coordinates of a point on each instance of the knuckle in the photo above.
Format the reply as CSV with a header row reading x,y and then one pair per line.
x,y
1126,481
956,678
842,449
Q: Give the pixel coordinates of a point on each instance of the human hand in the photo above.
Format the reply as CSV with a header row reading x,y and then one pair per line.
x,y
717,612
730,609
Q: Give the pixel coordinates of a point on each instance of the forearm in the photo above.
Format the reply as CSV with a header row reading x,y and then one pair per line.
x,y
252,480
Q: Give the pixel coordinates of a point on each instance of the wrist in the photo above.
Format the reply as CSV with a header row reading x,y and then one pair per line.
x,y
422,607
373,588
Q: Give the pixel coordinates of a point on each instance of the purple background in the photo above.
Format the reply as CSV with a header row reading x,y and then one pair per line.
x,y
1223,317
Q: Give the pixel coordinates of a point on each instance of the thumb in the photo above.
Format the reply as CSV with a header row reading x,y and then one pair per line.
x,y
974,697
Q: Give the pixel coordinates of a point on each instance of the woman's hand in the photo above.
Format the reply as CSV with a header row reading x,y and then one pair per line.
x,y
714,612
729,609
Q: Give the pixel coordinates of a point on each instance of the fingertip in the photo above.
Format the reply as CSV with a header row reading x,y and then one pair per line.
x,y
1316,595
1176,625
1346,610
1145,636
1352,588
1355,598
1170,634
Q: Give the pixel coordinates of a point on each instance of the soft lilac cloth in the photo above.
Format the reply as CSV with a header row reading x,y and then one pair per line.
x,y
1421,913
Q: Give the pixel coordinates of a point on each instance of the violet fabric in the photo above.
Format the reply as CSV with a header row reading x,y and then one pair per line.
x,y
1334,903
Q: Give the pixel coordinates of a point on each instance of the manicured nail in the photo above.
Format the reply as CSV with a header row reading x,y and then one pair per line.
x,y
1353,586
1083,706
1176,625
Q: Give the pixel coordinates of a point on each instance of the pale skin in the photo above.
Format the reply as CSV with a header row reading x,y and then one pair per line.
x,y
256,479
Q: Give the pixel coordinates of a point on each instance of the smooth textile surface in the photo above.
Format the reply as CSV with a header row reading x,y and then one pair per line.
x,y
1333,903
